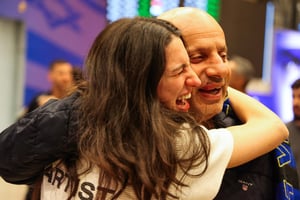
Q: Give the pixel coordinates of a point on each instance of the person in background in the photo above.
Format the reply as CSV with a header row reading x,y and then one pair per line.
x,y
136,138
294,125
61,80
242,71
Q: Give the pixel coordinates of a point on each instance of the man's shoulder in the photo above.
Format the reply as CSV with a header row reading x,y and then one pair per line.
x,y
33,104
41,93
55,105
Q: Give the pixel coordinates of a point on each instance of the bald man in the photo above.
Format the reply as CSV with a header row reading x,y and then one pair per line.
x,y
206,46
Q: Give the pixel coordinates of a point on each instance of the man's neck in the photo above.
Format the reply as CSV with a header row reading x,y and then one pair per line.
x,y
58,93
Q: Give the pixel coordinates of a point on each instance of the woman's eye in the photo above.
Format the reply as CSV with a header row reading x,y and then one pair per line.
x,y
180,72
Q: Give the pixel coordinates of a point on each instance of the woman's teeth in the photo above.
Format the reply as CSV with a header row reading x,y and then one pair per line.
x,y
187,96
182,100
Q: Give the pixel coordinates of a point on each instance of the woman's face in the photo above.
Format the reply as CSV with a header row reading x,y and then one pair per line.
x,y
178,79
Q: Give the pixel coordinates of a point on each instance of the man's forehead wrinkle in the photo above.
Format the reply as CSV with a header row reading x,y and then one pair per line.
x,y
188,20
194,27
202,33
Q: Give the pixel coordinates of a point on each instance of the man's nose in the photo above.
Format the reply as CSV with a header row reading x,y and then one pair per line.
x,y
218,68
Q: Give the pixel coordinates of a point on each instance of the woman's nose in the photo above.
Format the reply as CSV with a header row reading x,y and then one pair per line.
x,y
193,80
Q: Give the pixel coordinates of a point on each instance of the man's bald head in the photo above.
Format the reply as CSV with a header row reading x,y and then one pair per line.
x,y
187,19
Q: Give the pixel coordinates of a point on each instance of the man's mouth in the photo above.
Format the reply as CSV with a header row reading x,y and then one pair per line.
x,y
210,94
213,91
296,109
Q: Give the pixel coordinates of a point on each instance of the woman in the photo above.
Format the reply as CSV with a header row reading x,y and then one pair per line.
x,y
125,131
136,140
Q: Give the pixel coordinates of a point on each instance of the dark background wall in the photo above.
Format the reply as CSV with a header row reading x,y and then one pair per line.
x,y
244,26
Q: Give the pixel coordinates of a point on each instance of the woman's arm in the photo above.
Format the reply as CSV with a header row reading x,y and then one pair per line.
x,y
261,132
35,141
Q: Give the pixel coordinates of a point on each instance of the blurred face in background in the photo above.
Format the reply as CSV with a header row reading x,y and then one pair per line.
x,y
296,103
237,81
60,76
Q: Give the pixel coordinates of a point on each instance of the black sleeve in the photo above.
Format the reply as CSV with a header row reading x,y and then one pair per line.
x,y
33,104
35,141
